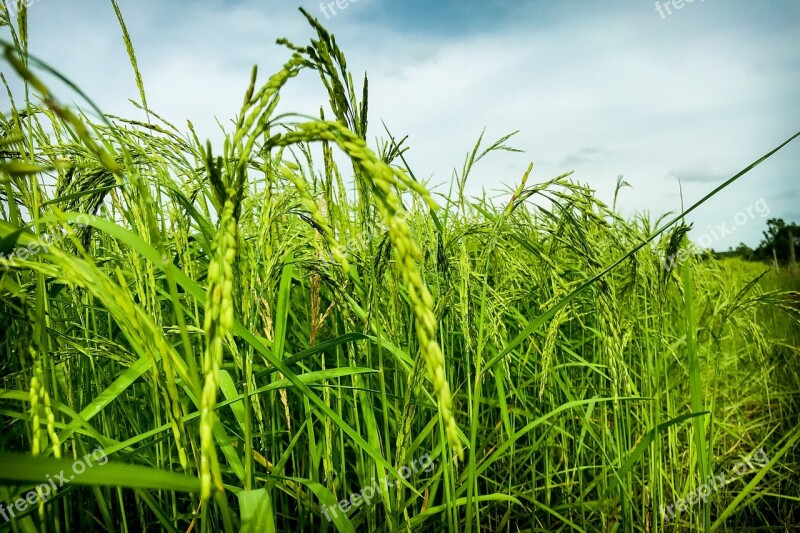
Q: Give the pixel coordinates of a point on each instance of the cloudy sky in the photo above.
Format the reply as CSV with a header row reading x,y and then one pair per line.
x,y
676,99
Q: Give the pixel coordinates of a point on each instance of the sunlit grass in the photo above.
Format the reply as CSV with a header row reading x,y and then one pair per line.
x,y
252,334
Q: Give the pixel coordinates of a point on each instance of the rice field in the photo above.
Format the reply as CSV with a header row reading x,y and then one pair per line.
x,y
288,332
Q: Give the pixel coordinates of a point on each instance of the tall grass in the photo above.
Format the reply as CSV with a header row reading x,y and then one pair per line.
x,y
252,334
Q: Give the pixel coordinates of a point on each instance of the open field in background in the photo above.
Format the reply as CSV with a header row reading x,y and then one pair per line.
x,y
256,338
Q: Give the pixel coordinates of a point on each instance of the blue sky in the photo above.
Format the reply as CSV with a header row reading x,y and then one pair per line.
x,y
602,88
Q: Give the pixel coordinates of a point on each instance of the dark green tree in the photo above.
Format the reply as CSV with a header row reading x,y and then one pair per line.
x,y
781,240
744,251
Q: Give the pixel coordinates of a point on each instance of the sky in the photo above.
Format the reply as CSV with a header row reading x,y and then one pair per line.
x,y
674,100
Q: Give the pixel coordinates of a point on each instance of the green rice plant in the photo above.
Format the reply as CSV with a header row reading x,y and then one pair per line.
x,y
264,341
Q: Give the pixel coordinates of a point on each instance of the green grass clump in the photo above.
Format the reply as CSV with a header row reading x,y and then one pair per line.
x,y
249,339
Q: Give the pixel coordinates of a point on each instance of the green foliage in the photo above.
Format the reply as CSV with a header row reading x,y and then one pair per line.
x,y
251,339
782,238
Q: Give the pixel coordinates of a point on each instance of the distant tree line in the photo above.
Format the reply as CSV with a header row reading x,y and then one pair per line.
x,y
780,245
